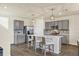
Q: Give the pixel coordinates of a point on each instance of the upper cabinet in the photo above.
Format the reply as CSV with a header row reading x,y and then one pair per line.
x,y
18,24
21,24
48,25
61,25
65,24
52,24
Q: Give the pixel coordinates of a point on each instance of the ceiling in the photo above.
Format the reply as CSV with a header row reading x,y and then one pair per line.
x,y
38,9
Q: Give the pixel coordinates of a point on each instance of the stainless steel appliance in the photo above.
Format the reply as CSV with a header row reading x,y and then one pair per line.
x,y
28,30
25,32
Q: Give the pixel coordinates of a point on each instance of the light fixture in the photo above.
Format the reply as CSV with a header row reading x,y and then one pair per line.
x,y
52,16
60,13
33,18
5,7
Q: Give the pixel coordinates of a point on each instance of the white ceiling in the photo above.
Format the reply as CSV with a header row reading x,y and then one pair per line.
x,y
39,9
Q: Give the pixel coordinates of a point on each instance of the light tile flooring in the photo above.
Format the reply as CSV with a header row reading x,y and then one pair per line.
x,y
23,50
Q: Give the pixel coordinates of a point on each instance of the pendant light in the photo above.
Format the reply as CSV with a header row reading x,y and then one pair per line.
x,y
52,16
33,19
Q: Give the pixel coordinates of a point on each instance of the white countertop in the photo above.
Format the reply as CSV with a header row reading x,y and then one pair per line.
x,y
46,36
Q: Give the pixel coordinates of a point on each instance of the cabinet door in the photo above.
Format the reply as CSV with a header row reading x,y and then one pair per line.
x,y
65,39
15,38
56,23
47,25
60,25
21,24
52,23
16,24
65,24
20,38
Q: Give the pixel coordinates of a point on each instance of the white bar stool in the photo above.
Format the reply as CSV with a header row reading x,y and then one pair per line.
x,y
47,45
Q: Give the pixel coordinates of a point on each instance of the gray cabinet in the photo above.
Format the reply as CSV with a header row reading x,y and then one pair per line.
x,y
63,27
46,25
21,38
52,24
55,23
21,24
65,39
60,26
18,24
65,24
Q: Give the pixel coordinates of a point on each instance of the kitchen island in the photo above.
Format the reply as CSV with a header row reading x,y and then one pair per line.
x,y
56,41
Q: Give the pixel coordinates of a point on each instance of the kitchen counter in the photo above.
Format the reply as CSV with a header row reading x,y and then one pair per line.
x,y
56,41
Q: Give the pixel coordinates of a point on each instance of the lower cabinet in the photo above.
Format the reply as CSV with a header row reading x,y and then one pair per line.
x,y
19,39
65,39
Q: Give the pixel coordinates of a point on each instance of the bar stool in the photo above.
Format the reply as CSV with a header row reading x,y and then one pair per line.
x,y
36,42
47,45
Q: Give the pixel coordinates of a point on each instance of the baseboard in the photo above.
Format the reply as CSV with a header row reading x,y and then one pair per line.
x,y
18,43
73,45
69,44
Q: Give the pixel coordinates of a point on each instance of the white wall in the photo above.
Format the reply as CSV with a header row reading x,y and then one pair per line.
x,y
39,25
27,22
7,32
73,28
4,36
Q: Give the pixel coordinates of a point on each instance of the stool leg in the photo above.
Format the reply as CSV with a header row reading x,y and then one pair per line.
x,y
34,45
28,44
44,52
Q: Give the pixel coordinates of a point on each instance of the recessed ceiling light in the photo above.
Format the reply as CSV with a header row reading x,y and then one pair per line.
x,y
5,6
60,13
